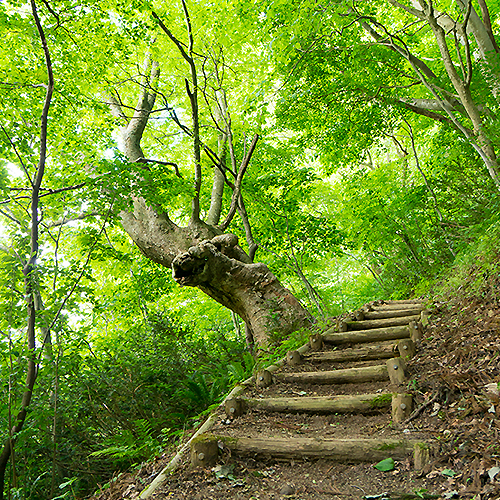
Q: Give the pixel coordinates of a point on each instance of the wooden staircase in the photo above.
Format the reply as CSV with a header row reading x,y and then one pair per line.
x,y
350,383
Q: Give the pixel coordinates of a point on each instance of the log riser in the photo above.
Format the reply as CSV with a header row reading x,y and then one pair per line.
x,y
352,355
364,336
396,313
350,375
365,403
351,451
379,323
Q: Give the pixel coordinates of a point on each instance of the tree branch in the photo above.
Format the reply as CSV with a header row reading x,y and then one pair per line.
x,y
48,193
64,220
18,155
10,217
159,162
399,50
237,185
116,108
425,111
193,98
487,23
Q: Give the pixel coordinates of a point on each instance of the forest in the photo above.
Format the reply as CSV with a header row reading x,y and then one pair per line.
x,y
186,187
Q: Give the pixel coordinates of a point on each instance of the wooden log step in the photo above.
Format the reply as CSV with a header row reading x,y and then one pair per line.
x,y
346,376
362,336
404,301
389,307
365,353
378,323
322,404
342,450
393,313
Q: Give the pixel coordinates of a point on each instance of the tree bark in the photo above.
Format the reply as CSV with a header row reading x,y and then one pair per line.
x,y
250,290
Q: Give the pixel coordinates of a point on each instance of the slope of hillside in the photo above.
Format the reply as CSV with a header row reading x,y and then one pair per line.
x,y
454,378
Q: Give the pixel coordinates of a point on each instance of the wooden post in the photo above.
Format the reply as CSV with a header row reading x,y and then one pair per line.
x,y
396,367
234,407
415,333
316,342
401,407
420,327
406,348
293,358
359,315
421,455
343,327
204,451
263,378
424,317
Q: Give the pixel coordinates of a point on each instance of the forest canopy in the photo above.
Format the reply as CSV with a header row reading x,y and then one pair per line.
x,y
281,163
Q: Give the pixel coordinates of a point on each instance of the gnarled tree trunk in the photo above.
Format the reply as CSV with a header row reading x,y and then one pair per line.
x,y
201,255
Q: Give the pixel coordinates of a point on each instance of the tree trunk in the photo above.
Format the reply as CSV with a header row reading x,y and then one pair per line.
x,y
199,254
250,290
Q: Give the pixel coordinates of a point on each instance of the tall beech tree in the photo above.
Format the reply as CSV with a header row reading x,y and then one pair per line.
x,y
179,188
201,254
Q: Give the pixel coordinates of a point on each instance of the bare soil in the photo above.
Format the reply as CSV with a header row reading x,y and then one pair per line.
x,y
451,379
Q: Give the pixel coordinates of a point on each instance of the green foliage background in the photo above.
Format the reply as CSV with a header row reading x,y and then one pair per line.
x,y
351,197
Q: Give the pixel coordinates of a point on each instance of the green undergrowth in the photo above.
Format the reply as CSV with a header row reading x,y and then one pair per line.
x,y
475,274
280,346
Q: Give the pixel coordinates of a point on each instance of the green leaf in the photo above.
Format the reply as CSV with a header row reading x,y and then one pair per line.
x,y
448,472
385,465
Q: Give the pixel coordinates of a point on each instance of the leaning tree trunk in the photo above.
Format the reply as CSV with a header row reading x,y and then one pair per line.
x,y
200,255
250,290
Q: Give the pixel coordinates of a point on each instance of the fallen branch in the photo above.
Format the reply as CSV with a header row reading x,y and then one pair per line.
x,y
421,408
